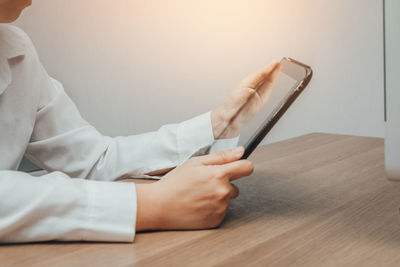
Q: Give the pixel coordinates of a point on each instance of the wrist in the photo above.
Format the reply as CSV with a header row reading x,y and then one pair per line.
x,y
218,122
222,124
149,212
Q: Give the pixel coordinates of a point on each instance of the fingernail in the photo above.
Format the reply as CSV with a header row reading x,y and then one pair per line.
x,y
238,151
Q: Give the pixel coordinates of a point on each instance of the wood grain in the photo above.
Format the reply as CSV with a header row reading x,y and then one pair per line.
x,y
314,200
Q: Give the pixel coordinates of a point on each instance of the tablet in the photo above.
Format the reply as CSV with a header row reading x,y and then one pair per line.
x,y
293,78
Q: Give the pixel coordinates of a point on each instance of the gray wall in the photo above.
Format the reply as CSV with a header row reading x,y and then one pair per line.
x,y
131,66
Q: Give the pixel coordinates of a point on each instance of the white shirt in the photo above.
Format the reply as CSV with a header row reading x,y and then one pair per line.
x,y
39,120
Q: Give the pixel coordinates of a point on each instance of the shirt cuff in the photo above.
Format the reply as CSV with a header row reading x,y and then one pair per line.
x,y
111,211
196,134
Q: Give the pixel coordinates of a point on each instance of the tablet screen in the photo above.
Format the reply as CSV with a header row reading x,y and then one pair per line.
x,y
289,79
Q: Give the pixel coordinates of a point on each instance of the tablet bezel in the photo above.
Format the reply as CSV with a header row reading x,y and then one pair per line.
x,y
275,115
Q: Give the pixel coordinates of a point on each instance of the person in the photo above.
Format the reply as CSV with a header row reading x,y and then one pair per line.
x,y
81,197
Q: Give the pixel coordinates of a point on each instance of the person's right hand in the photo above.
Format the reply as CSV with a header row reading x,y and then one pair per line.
x,y
195,195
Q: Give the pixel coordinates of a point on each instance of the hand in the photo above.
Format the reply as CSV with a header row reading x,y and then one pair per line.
x,y
248,97
195,195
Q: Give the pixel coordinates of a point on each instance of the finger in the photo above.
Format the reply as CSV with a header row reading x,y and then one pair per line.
x,y
234,191
265,75
222,157
265,88
237,169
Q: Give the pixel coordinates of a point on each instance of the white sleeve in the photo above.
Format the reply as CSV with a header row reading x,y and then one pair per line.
x,y
63,141
55,207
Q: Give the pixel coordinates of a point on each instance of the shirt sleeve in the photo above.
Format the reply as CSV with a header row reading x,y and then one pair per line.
x,y
93,208
55,207
63,141
65,145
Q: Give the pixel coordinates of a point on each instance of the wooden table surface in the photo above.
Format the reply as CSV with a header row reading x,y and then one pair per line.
x,y
314,200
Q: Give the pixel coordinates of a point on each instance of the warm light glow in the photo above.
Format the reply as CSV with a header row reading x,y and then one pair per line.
x,y
175,59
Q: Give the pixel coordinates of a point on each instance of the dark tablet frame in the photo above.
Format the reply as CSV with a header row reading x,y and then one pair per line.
x,y
276,114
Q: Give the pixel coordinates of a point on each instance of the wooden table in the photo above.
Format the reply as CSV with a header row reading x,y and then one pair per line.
x,y
315,200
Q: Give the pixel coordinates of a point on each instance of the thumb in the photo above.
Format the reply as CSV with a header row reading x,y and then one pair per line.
x,y
266,74
222,157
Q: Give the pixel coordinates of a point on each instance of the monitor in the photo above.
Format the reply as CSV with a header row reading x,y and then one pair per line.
x,y
392,87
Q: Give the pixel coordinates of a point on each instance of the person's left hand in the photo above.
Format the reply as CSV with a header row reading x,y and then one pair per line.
x,y
249,96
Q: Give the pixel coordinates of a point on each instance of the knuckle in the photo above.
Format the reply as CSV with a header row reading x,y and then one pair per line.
x,y
249,167
219,173
236,191
222,193
224,155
